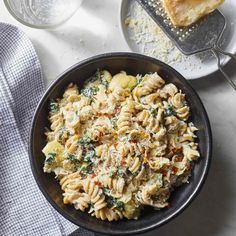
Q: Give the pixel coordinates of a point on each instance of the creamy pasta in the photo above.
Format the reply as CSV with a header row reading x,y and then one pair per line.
x,y
121,143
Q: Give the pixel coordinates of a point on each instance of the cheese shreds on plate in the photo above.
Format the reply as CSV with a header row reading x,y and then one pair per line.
x,y
150,39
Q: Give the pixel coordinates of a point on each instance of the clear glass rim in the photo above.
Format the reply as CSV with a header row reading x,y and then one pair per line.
x,y
36,26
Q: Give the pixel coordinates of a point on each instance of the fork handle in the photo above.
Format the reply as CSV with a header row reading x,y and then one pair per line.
x,y
217,51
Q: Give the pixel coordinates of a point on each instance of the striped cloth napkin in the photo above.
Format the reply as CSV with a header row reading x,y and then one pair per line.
x,y
23,208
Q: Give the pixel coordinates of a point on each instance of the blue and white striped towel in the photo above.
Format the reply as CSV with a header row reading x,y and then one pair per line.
x,y
23,209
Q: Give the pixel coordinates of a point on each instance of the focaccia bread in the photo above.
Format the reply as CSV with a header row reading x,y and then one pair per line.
x,y
187,12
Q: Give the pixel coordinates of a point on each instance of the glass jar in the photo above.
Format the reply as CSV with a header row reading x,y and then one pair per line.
x,y
42,13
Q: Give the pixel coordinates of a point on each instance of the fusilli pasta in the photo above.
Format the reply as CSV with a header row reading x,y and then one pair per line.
x,y
120,143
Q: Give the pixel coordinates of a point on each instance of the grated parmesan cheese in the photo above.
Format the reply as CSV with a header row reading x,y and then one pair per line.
x,y
151,40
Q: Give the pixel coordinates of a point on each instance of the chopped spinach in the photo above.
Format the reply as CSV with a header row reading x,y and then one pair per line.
x,y
106,191
85,140
72,159
88,151
111,174
63,131
50,159
170,111
112,202
105,83
153,112
119,205
121,172
54,106
114,122
90,154
89,92
86,169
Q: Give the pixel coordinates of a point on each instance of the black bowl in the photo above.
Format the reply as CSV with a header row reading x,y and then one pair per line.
x,y
133,64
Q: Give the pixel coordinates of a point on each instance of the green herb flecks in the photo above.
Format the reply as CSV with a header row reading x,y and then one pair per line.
x,y
114,203
111,174
119,205
73,159
54,106
86,169
114,122
70,157
88,151
105,83
50,159
170,111
153,112
106,191
121,172
89,92
85,140
63,133
89,156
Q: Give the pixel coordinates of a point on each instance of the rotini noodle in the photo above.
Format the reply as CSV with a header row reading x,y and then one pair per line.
x,y
120,143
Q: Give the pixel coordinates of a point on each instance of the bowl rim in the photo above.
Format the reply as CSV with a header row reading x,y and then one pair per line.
x,y
208,157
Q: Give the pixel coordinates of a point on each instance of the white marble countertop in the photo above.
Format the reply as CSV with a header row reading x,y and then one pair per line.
x,y
95,29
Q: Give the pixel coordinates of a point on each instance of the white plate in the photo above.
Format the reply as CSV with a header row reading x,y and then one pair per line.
x,y
191,67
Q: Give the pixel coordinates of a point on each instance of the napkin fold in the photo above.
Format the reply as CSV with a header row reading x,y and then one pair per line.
x,y
23,208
